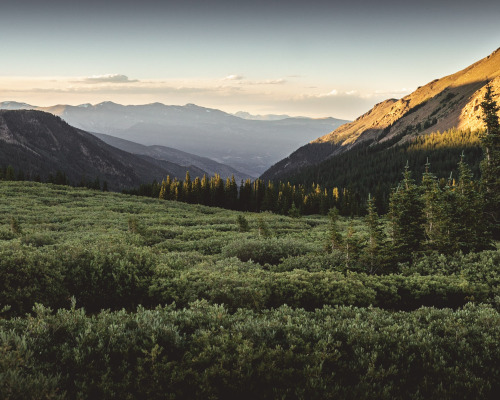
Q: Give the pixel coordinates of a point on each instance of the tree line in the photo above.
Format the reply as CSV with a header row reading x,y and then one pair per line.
x,y
255,196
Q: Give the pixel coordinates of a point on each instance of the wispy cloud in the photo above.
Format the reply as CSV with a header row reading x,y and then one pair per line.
x,y
233,78
108,78
331,93
268,82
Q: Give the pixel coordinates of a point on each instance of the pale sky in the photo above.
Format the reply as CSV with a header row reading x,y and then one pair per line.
x,y
314,58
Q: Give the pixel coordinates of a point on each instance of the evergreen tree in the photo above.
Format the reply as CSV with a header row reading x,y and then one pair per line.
x,y
259,191
407,221
197,195
217,187
263,228
294,212
269,201
335,240
434,211
373,257
205,190
472,234
245,195
490,166
242,223
351,247
163,190
231,193
186,188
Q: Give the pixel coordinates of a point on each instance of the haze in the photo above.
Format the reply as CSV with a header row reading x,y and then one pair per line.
x,y
318,59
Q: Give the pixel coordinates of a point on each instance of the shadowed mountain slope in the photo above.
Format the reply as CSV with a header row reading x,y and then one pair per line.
x,y
40,143
189,161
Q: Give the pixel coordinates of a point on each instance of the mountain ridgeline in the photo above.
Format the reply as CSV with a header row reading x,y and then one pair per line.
x,y
438,121
249,146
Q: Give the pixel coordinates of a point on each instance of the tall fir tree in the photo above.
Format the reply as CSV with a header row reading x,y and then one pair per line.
x,y
373,257
490,166
186,188
335,241
473,232
407,221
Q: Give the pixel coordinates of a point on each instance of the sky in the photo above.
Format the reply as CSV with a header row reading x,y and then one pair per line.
x,y
301,58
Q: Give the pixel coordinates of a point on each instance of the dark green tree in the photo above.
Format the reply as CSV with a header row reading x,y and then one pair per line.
x,y
407,220
373,257
242,223
472,229
335,240
294,212
490,166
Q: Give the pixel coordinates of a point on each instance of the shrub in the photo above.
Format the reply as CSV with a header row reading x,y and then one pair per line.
x,y
269,251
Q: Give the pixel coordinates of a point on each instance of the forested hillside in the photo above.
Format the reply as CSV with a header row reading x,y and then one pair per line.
x,y
449,103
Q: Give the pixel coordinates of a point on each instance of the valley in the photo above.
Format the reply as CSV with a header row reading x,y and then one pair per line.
x,y
156,252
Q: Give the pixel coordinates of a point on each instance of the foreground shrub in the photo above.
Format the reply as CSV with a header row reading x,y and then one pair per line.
x,y
205,352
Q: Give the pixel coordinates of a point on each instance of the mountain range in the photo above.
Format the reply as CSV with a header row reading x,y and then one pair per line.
x,y
248,145
450,102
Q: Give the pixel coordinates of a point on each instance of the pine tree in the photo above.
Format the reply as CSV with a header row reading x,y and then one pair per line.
x,y
263,228
217,187
205,190
163,191
407,221
196,191
269,201
472,228
335,240
490,166
242,223
433,210
373,257
186,188
231,193
294,212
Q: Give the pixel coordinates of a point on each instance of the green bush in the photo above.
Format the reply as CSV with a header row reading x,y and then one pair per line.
x,y
265,251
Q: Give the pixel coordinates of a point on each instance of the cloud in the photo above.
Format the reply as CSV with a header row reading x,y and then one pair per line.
x,y
109,78
331,93
233,78
269,82
133,89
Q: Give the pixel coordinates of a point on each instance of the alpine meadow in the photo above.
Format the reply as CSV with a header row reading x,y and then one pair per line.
x,y
156,251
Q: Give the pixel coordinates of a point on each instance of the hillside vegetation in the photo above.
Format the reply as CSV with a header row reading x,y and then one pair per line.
x,y
451,102
209,303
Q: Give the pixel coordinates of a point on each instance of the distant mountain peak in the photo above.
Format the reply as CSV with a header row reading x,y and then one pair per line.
x,y
14,105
